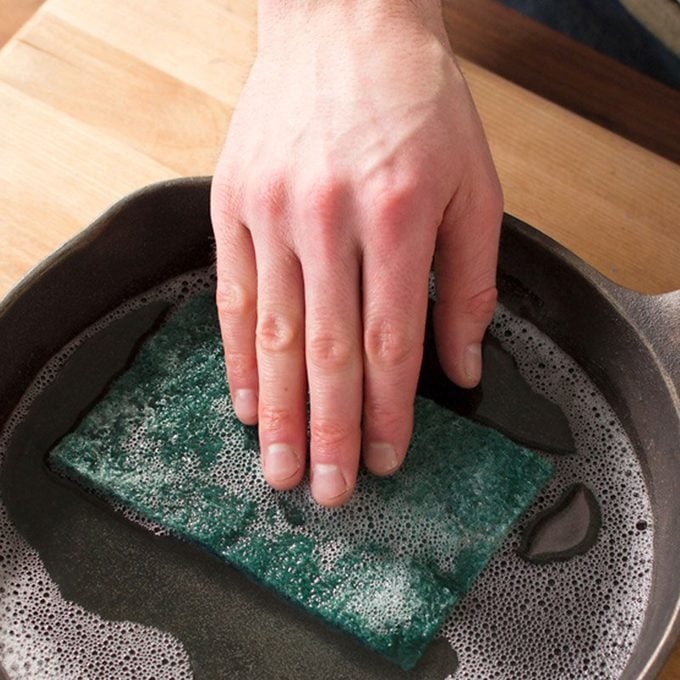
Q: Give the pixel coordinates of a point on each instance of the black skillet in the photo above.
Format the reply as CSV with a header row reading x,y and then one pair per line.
x,y
629,344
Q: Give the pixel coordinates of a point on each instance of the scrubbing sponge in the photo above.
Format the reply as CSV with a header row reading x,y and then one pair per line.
x,y
387,567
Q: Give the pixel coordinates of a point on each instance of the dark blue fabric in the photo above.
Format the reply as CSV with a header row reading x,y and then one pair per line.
x,y
608,27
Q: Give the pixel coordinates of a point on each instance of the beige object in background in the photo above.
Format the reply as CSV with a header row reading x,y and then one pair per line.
x,y
660,17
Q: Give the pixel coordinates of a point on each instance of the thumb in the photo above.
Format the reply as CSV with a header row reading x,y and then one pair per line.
x,y
465,273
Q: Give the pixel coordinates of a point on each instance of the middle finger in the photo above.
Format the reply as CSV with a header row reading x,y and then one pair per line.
x,y
334,371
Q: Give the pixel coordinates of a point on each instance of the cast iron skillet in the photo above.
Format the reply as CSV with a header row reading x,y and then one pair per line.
x,y
629,344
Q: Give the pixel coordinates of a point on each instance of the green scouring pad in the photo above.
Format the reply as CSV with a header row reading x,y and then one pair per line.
x,y
386,567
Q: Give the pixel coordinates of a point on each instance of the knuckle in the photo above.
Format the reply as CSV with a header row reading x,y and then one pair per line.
x,y
388,344
492,203
379,413
329,352
275,420
487,203
269,198
497,200
481,306
328,434
395,196
322,200
233,299
321,209
240,364
276,333
225,201
394,208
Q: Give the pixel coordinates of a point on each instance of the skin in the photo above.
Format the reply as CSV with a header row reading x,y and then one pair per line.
x,y
354,157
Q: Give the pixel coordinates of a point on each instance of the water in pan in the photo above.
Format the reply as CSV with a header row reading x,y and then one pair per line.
x,y
573,619
579,618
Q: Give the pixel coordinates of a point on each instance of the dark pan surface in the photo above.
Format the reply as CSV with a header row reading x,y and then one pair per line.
x,y
628,344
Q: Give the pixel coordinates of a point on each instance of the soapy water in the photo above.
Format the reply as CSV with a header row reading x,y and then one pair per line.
x,y
573,619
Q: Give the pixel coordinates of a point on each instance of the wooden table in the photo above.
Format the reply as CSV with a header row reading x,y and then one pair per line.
x,y
98,98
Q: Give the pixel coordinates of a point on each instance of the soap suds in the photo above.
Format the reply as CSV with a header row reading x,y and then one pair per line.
x,y
575,619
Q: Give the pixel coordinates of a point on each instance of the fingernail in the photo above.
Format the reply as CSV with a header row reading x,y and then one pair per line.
x,y
381,458
327,482
245,405
280,463
472,363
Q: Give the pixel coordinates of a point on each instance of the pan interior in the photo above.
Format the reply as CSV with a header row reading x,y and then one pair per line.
x,y
576,618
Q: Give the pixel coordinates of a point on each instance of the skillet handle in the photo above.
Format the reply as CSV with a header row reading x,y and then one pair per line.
x,y
658,318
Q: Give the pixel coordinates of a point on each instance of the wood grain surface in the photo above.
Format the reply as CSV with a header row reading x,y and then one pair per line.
x,y
568,73
99,98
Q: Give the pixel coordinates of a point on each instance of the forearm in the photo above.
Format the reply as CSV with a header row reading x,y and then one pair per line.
x,y
293,19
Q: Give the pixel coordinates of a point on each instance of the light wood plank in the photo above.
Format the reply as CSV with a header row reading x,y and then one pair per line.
x,y
671,671
613,203
209,44
116,94
55,178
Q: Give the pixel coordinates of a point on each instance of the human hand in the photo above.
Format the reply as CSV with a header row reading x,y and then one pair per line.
x,y
354,155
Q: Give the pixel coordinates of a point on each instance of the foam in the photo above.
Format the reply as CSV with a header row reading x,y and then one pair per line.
x,y
42,635
573,619
580,618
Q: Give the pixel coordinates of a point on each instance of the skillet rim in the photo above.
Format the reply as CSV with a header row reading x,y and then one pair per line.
x,y
651,321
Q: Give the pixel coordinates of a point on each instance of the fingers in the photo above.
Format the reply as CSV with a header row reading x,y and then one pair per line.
x,y
334,371
310,320
281,366
395,304
465,269
236,307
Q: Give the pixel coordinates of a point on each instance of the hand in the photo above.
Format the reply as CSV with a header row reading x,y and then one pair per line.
x,y
354,155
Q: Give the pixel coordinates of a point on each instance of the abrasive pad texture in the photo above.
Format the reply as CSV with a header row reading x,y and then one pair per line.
x,y
387,567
